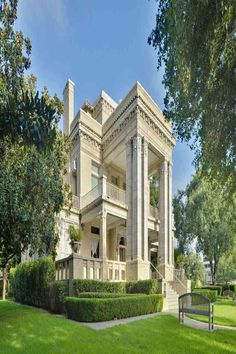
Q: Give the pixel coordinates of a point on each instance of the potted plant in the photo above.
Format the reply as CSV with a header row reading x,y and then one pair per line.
x,y
75,234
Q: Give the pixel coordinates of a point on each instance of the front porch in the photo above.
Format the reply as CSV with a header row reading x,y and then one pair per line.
x,y
79,267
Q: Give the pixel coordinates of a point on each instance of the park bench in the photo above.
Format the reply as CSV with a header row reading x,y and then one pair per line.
x,y
230,293
197,304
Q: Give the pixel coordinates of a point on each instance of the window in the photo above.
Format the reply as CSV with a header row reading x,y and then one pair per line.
x,y
95,168
95,230
94,181
115,180
95,248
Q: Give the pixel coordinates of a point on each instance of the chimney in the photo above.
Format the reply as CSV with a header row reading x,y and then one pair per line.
x,y
68,102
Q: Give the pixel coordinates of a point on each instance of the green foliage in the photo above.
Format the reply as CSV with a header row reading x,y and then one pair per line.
x,y
30,281
196,42
95,310
218,288
24,113
154,191
149,286
42,333
32,192
194,267
227,268
58,291
87,285
75,234
208,219
181,219
210,294
100,295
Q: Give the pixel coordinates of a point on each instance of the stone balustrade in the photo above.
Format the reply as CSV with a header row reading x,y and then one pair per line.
x,y
78,267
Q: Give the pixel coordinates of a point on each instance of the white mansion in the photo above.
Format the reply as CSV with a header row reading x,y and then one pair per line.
x,y
117,148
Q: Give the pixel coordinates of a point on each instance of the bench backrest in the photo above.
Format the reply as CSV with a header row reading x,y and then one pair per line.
x,y
194,303
229,293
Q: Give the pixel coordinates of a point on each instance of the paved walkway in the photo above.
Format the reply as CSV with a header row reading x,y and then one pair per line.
x,y
187,322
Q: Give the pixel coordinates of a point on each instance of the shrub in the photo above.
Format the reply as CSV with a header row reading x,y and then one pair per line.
x,y
210,294
30,281
95,310
142,287
218,288
104,295
58,291
87,285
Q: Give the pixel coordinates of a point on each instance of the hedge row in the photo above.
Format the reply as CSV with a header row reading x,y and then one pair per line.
x,y
88,285
96,310
142,287
30,281
210,294
132,287
57,293
104,295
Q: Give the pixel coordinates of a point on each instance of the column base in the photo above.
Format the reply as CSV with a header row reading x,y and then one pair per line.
x,y
137,270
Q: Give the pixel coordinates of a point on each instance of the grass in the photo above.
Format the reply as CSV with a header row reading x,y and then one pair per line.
x,y
224,313
27,330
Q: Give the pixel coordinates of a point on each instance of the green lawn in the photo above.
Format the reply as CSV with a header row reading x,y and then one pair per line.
x,y
28,330
224,313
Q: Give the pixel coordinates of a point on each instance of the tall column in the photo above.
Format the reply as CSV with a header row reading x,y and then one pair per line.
x,y
138,266
145,201
165,256
163,210
129,170
103,235
137,197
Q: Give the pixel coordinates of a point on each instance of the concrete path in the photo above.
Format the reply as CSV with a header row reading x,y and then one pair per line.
x,y
187,322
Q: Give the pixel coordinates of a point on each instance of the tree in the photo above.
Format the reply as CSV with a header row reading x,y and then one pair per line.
x,y
154,191
194,268
32,192
182,234
227,268
32,151
211,221
196,43
24,113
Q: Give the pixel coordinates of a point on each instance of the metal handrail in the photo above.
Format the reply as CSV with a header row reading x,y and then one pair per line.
x,y
158,272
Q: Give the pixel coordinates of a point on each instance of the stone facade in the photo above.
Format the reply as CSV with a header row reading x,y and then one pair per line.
x,y
117,148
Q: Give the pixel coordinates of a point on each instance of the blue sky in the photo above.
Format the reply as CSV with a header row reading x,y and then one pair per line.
x,y
99,44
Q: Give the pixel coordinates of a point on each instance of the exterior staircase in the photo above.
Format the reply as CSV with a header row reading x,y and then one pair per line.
x,y
171,299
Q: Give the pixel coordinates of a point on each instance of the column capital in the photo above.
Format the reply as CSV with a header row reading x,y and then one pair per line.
x,y
137,142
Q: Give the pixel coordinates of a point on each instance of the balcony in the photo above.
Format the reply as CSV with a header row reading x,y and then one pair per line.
x,y
107,191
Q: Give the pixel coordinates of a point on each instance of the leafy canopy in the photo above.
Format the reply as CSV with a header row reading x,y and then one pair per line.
x,y
24,113
196,43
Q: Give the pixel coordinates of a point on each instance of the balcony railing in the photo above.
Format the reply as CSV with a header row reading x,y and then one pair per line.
x,y
90,268
116,193
92,195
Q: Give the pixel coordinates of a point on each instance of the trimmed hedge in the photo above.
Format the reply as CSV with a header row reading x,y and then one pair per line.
x,y
104,295
89,285
218,288
210,294
30,281
97,310
142,287
58,291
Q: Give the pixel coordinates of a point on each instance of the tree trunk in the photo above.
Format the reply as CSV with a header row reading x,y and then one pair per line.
x,y
4,288
213,275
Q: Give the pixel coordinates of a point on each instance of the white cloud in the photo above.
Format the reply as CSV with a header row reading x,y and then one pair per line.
x,y
37,9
